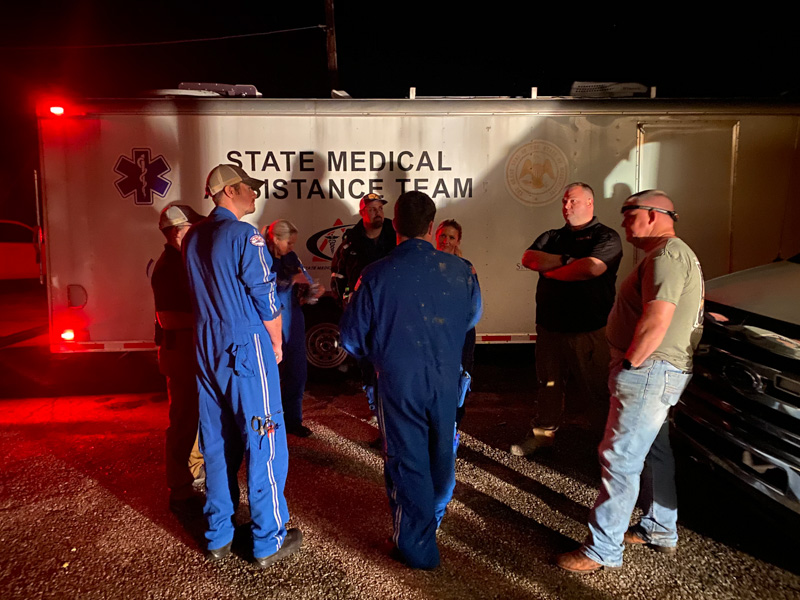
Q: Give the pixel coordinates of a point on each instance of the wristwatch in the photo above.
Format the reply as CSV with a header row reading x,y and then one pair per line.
x,y
626,364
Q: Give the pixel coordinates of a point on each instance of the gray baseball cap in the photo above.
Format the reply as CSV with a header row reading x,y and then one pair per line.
x,y
178,214
223,175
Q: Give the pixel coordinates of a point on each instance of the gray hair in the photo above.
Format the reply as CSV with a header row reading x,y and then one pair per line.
x,y
281,229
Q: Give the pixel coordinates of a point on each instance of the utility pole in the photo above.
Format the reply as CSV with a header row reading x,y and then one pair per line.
x,y
330,28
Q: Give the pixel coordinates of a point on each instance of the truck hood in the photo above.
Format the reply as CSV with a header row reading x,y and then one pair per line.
x,y
771,290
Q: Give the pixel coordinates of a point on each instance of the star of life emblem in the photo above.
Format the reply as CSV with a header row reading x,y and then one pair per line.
x,y
142,176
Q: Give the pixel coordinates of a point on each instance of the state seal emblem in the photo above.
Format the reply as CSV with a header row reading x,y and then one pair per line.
x,y
536,173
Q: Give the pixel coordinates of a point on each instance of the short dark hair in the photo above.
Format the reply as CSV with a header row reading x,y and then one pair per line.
x,y
217,198
579,184
413,214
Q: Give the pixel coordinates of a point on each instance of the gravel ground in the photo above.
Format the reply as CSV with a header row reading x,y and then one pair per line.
x,y
84,514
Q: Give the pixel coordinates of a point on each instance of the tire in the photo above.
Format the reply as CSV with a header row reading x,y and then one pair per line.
x,y
323,349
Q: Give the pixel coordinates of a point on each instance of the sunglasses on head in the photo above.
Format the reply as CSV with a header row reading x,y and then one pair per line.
x,y
673,215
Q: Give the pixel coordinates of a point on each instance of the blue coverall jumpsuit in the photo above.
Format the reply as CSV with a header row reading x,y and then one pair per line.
x,y
294,366
233,292
408,316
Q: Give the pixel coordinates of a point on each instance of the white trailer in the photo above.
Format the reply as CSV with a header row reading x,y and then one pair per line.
x,y
497,166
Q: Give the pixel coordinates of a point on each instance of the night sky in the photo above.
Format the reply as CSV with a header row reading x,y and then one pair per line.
x,y
498,49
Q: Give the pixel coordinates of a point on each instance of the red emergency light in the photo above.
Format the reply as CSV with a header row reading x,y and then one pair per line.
x,y
68,335
59,108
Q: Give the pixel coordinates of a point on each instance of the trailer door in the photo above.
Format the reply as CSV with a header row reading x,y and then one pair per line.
x,y
694,162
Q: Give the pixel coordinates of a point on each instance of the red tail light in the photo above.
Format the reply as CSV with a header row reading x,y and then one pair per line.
x,y
58,107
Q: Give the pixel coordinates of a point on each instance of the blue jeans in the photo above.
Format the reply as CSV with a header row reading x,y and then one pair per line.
x,y
636,445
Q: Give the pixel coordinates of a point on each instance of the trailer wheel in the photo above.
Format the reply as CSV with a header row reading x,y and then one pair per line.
x,y
323,349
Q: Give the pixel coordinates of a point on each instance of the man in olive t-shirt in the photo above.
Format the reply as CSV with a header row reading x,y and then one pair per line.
x,y
669,273
652,331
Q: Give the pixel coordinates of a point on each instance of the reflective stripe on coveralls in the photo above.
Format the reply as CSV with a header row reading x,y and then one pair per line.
x,y
233,292
409,317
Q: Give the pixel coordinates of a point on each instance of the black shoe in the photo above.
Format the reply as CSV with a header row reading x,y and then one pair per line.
x,y
219,553
191,506
292,543
396,555
299,431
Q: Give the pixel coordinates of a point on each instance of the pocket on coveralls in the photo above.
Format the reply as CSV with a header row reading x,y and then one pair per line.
x,y
242,358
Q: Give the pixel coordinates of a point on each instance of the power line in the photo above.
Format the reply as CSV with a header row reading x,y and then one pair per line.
x,y
166,43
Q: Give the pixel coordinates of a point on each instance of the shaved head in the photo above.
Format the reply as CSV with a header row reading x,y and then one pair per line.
x,y
648,216
655,198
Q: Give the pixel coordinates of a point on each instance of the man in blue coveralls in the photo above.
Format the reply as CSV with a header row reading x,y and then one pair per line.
x,y
238,341
408,317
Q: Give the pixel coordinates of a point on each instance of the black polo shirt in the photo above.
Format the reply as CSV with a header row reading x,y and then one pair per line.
x,y
577,306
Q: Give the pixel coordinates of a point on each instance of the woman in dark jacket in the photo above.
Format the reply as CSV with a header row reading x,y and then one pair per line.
x,y
294,287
